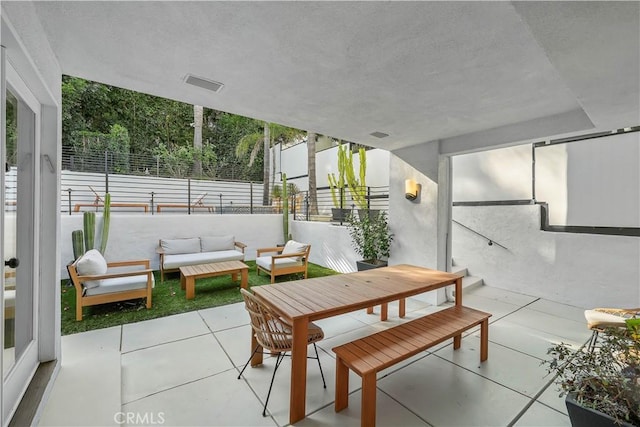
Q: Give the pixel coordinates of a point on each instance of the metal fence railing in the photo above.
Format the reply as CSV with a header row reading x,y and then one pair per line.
x,y
338,210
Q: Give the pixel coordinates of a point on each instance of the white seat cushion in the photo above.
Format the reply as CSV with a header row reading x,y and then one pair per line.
x,y
265,262
182,260
601,319
118,284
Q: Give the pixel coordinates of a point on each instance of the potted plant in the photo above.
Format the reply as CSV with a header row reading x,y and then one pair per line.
x,y
603,385
371,238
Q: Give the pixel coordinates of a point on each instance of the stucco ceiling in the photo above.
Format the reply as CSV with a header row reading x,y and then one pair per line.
x,y
418,71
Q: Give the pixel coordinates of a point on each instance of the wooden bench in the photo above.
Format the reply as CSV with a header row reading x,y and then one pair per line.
x,y
369,355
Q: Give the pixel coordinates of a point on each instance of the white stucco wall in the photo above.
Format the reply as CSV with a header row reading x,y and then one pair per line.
x,y
136,236
330,244
583,270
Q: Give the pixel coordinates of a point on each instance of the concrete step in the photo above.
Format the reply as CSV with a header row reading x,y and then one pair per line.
x,y
458,269
471,282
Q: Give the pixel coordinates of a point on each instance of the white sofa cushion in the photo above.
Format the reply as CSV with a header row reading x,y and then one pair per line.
x,y
217,243
119,284
265,262
182,260
92,263
293,247
180,246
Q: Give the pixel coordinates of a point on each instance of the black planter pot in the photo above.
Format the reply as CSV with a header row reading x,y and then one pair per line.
x,y
586,417
340,215
370,264
372,213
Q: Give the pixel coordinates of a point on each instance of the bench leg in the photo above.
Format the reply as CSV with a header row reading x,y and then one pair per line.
x,y
456,341
484,340
244,278
342,385
402,308
369,310
191,287
384,311
368,416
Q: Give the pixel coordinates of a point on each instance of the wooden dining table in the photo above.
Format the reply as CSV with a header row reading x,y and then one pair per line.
x,y
302,301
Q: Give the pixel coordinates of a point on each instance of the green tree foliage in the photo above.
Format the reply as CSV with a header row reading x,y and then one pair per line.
x,y
89,148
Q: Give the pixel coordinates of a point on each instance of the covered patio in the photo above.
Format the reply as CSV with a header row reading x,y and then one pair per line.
x,y
181,370
425,81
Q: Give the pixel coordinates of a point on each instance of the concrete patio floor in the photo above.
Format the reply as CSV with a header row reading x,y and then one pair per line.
x,y
181,370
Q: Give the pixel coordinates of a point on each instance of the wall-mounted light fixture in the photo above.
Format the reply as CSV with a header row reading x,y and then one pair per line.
x,y
411,189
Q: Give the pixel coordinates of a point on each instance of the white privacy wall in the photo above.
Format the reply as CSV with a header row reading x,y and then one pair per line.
x,y
583,270
136,236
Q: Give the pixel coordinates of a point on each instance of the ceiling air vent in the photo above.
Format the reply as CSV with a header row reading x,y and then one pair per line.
x,y
203,83
379,134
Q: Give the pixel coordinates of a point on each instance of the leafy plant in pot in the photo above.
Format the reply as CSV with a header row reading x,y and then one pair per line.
x,y
371,238
602,386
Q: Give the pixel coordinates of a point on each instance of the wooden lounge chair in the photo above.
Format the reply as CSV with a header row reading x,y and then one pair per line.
x,y
292,258
99,203
110,286
197,203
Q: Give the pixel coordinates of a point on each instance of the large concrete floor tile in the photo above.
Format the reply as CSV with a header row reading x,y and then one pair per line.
x,y
154,369
87,389
444,394
551,397
219,400
80,347
330,342
163,330
533,342
510,368
236,342
497,308
565,311
542,416
225,317
502,295
318,397
564,328
334,326
389,413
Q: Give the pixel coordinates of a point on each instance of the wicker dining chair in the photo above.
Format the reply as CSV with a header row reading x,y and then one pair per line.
x,y
275,336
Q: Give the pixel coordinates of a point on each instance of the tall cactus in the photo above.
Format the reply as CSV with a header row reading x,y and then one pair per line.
x,y
357,186
285,208
336,183
106,222
77,238
89,230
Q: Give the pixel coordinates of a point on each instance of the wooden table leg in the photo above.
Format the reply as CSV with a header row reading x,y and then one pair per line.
x,y
183,282
234,276
384,311
191,287
298,392
369,310
484,340
244,280
459,292
402,308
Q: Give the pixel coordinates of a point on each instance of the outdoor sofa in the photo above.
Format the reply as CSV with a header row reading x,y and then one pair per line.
x,y
176,253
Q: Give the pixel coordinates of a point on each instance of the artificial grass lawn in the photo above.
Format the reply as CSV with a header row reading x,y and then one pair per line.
x,y
168,299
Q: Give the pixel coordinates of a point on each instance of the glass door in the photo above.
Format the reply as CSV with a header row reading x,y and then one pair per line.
x,y
19,142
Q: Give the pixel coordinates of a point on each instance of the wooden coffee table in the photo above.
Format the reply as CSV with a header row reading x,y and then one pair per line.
x,y
190,273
